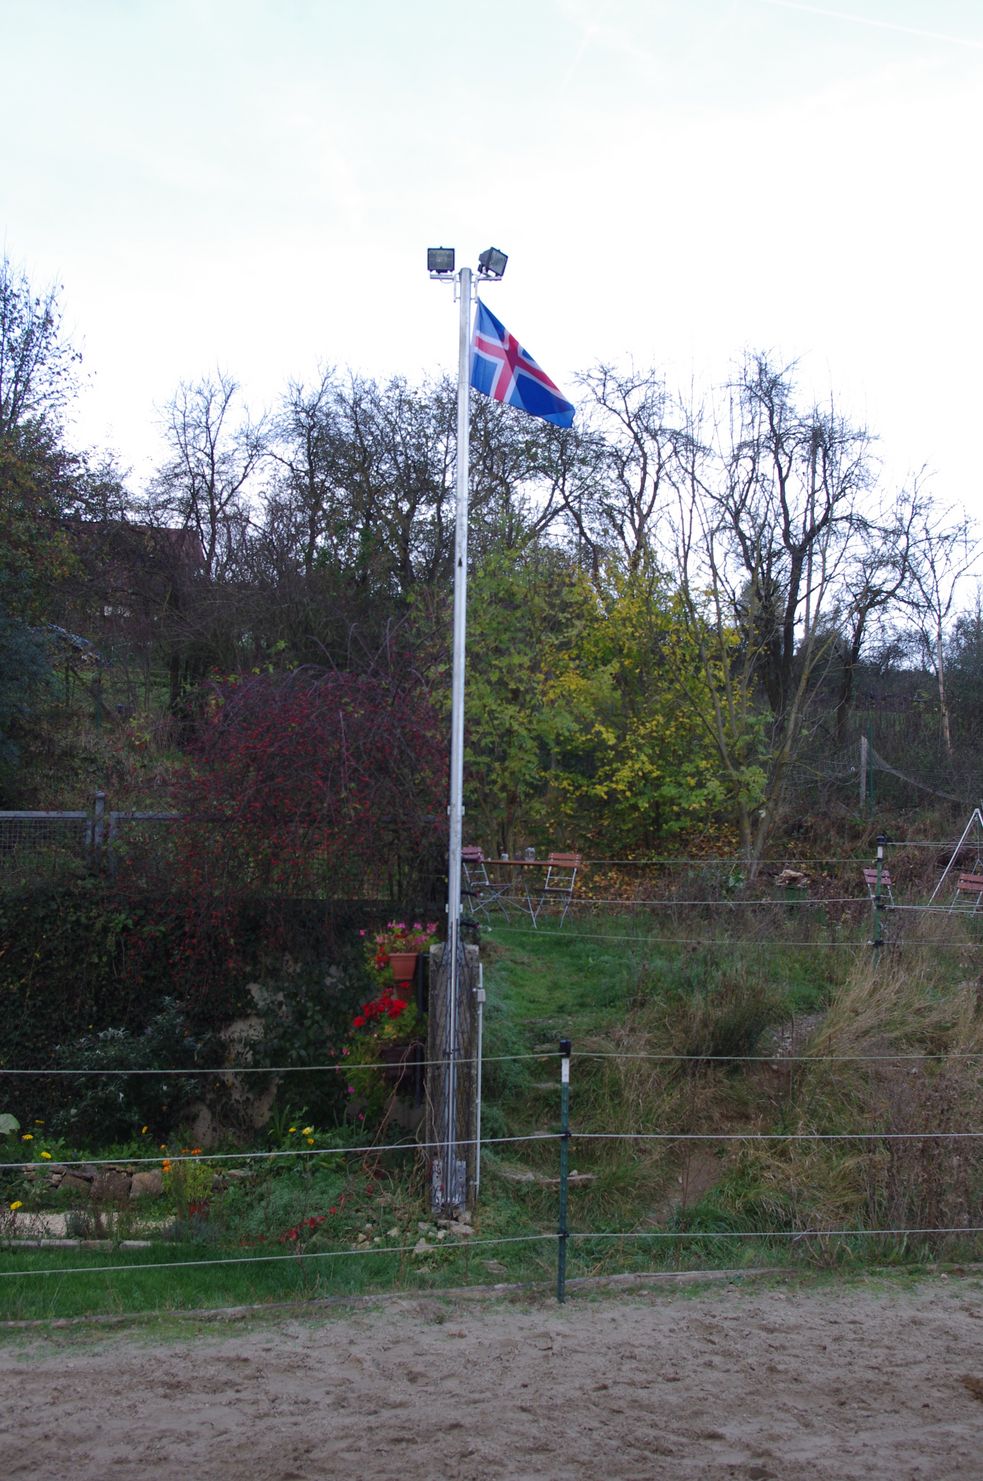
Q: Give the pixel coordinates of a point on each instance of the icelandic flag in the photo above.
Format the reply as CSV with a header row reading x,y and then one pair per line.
x,y
502,369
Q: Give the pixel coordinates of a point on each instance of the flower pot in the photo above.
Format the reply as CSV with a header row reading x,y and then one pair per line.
x,y
402,964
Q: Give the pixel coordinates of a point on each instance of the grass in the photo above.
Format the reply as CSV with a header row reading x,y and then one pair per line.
x,y
623,993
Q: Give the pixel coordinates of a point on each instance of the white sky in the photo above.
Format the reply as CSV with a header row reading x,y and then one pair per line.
x,y
253,184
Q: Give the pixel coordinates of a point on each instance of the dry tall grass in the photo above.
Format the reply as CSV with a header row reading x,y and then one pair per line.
x,y
899,1055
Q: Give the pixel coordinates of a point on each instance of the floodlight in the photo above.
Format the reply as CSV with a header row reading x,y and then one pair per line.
x,y
440,260
491,263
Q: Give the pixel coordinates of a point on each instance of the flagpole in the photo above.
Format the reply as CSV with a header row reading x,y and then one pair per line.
x,y
449,1171
455,950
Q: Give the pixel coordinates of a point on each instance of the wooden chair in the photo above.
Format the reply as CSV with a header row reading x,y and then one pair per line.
x,y
969,892
870,880
561,876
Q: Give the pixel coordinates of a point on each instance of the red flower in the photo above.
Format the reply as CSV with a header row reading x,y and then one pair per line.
x,y
359,1021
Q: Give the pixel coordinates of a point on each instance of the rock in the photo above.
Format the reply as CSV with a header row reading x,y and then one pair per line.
x,y
111,1186
422,1247
77,1184
441,1234
392,1233
458,1227
147,1184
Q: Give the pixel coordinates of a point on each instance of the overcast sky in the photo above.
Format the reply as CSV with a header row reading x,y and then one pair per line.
x,y
252,185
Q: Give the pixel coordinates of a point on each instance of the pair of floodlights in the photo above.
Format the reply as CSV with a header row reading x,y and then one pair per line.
x,y
440,262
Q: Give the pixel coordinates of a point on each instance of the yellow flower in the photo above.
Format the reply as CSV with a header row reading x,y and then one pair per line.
x,y
291,1128
28,1136
38,1121
310,1141
46,1156
306,1130
143,1130
16,1205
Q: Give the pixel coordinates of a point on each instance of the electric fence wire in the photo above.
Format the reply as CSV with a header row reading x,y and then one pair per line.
x,y
773,1136
340,1066
793,1234
728,943
538,1055
738,864
381,1148
403,1249
668,903
680,1236
373,1148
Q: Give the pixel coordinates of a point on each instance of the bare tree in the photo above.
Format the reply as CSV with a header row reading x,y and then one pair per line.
x,y
877,576
942,554
637,441
215,453
770,508
305,499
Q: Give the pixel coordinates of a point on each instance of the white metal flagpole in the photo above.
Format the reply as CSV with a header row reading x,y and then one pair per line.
x,y
451,1193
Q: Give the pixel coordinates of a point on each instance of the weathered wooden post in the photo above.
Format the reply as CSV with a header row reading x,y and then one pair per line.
x,y
452,1053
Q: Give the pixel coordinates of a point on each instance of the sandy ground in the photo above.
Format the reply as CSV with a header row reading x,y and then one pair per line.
x,y
854,1381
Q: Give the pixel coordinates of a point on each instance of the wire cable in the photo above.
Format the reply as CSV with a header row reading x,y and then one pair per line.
x,y
282,1069
376,1147
296,1256
774,1136
693,1234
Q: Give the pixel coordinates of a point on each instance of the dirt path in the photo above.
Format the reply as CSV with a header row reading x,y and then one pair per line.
x,y
862,1380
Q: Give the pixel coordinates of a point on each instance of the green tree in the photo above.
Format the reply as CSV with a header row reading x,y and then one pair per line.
x,y
37,476
524,611
632,762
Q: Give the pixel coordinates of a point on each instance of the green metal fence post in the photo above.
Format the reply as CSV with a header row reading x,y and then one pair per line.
x,y
562,1231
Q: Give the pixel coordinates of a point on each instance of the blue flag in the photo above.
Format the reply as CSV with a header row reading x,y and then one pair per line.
x,y
502,369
